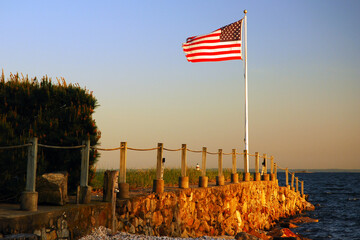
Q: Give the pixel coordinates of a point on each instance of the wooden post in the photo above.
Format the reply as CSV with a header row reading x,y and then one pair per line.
x,y
29,198
234,174
286,177
220,179
123,186
265,166
159,161
266,175
203,166
183,160
292,181
233,154
257,162
245,161
158,183
84,190
123,155
31,166
246,173
109,193
302,189
257,168
85,153
220,162
272,173
110,184
297,184
183,180
203,179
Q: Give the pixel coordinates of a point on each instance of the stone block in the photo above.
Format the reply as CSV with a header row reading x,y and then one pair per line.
x,y
110,184
84,194
52,188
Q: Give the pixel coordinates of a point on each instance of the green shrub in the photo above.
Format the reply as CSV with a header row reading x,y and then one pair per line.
x,y
57,114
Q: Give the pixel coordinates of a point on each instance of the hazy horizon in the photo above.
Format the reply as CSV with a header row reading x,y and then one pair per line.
x,y
303,73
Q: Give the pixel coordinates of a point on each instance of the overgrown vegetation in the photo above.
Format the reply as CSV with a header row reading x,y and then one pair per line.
x,y
58,114
143,178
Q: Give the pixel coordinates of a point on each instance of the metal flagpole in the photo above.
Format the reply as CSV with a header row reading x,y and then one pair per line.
x,y
246,139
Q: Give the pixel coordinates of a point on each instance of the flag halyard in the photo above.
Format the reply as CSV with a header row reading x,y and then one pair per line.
x,y
220,45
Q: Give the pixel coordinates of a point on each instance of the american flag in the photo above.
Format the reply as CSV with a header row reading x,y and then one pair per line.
x,y
220,45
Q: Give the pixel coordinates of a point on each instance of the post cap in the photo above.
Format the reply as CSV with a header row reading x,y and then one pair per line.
x,y
245,11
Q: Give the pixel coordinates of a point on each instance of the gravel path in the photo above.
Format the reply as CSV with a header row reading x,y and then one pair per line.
x,y
105,233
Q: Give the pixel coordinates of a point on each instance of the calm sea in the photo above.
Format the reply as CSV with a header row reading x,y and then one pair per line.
x,y
336,197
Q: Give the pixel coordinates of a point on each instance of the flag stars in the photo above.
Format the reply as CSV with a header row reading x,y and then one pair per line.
x,y
231,32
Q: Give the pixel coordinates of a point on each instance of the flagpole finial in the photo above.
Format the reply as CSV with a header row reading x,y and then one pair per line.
x,y
245,11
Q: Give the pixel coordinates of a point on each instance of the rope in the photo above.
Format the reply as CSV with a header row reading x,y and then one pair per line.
x,y
173,150
146,149
107,149
17,146
8,198
194,151
239,153
227,153
280,167
251,155
212,153
61,147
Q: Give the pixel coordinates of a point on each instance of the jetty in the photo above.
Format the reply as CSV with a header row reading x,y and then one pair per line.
x,y
254,202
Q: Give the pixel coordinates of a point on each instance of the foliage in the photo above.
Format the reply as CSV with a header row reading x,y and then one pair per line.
x,y
143,178
57,114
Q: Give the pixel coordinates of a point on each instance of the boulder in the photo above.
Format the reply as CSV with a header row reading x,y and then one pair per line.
x,y
52,188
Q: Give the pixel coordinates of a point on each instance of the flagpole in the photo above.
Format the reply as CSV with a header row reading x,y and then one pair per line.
x,y
246,139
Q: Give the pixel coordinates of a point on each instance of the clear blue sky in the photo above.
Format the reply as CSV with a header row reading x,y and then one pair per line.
x,y
303,61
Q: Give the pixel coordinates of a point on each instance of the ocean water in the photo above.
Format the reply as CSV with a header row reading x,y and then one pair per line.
x,y
336,197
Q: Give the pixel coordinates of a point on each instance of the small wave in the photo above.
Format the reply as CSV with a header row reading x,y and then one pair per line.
x,y
353,199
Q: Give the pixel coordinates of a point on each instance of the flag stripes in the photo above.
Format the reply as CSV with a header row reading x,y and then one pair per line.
x,y
210,47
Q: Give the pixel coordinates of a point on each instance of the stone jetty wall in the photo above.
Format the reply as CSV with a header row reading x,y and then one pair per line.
x,y
71,221
213,211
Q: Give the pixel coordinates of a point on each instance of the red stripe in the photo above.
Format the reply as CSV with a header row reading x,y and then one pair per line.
x,y
212,53
200,42
215,60
205,36
212,47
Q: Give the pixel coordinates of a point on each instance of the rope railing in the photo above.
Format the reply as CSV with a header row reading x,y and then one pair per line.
x,y
61,147
142,149
227,153
173,150
107,149
194,151
212,153
15,146
281,168
33,145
